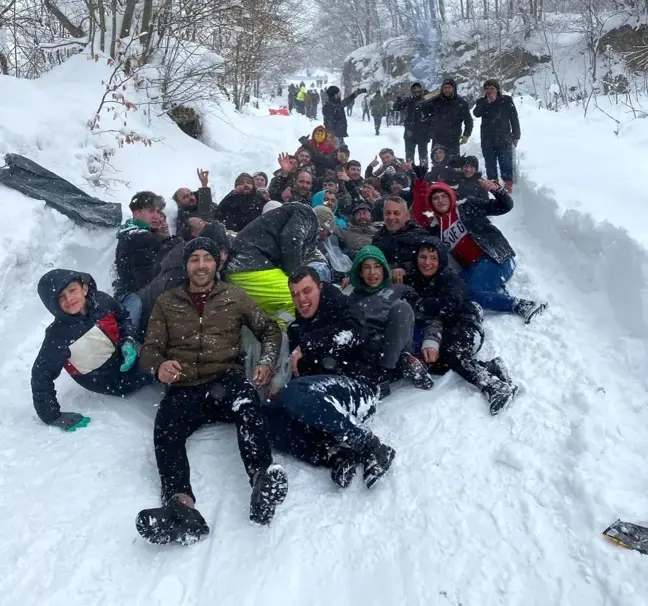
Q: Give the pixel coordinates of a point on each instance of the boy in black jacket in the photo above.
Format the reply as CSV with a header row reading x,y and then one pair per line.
x,y
91,337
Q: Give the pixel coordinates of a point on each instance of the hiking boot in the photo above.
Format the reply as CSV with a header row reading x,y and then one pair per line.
x,y
345,463
412,368
529,309
377,460
499,394
171,523
269,490
497,368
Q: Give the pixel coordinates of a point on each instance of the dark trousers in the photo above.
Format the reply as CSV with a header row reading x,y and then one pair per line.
x,y
183,410
333,404
486,279
452,148
377,122
498,152
397,336
411,144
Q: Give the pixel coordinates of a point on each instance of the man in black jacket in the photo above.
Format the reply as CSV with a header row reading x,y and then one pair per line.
x,y
416,128
449,114
242,205
335,120
500,131
334,387
470,183
194,203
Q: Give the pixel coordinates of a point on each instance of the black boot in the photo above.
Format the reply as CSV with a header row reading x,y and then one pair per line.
x,y
412,368
172,523
345,463
269,490
497,367
499,394
529,309
377,459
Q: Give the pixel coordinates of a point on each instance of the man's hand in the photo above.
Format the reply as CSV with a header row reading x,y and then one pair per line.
x,y
492,186
169,371
286,194
303,139
284,164
295,356
342,176
261,376
375,162
203,177
397,275
430,355
239,189
463,140
420,171
515,142
70,421
406,166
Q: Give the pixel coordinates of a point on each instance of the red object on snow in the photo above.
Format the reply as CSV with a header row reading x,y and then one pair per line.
x,y
282,111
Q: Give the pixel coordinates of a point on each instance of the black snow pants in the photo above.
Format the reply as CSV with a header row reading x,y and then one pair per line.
x,y
416,142
231,399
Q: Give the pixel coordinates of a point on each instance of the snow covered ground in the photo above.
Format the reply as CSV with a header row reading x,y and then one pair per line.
x,y
477,511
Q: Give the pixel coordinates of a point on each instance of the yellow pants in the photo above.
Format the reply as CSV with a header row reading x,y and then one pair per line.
x,y
269,288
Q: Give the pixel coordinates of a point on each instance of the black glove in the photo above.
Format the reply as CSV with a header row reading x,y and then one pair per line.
x,y
419,171
70,421
302,139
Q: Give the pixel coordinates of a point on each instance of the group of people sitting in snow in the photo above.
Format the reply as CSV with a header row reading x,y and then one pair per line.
x,y
289,309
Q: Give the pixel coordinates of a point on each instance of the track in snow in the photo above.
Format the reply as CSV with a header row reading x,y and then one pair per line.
x,y
478,511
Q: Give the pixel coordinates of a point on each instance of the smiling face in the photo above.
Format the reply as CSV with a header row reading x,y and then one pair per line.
x,y
387,157
303,157
306,296
330,200
468,170
427,261
73,298
201,269
151,216
354,172
372,273
260,182
304,183
395,215
440,202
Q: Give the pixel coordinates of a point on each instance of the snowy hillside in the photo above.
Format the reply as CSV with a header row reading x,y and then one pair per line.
x,y
476,511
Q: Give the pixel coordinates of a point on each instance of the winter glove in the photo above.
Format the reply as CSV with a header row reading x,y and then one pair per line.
x,y
302,139
419,171
130,355
463,140
70,421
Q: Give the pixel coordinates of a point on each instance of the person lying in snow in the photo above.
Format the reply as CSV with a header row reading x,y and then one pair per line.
x,y
451,326
474,242
194,203
389,318
335,387
92,338
193,344
242,205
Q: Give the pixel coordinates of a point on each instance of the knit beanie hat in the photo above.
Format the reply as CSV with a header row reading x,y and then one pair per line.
x,y
331,91
493,82
201,243
325,218
471,161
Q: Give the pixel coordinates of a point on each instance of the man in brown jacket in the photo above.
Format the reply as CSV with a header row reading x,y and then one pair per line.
x,y
193,344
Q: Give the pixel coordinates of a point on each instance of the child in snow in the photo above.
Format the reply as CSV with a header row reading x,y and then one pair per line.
x,y
451,326
92,338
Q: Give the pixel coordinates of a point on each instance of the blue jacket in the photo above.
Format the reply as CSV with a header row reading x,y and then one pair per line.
x,y
86,346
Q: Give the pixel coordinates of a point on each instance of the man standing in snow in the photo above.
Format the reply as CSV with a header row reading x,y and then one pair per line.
x,y
500,131
416,130
334,388
193,344
378,110
335,120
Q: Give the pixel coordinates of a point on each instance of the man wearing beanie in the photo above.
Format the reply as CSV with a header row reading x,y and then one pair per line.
x,y
416,133
500,131
359,231
470,183
242,205
449,115
193,345
335,120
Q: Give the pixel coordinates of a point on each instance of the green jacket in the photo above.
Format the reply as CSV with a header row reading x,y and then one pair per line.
x,y
378,106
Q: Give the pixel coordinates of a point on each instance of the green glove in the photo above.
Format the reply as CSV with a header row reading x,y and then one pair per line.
x,y
130,355
463,140
71,421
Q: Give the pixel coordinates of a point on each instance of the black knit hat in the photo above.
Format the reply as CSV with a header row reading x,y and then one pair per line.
x,y
243,177
361,206
471,161
201,243
331,91
493,82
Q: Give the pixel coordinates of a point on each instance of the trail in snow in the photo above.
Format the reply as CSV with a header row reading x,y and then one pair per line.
x,y
476,511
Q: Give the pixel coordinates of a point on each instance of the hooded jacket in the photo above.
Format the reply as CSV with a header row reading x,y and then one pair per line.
x,y
473,213
236,210
499,119
326,147
87,345
284,238
448,117
318,200
416,119
378,105
399,246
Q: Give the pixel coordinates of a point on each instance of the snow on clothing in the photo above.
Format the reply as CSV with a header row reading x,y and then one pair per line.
x,y
236,210
387,310
87,345
335,119
284,238
318,200
183,410
398,247
205,209
447,117
206,344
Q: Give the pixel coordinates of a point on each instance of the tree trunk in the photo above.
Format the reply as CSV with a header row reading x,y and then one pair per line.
x,y
74,30
127,21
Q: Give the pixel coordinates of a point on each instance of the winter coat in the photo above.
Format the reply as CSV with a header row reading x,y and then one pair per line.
x,y
321,161
284,238
399,247
444,301
473,213
378,106
280,182
416,122
326,147
301,94
499,120
137,257
470,188
337,332
205,209
206,346
86,346
236,210
446,116
335,119
356,237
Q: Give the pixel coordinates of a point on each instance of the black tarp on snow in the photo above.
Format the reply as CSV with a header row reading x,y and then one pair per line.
x,y
34,181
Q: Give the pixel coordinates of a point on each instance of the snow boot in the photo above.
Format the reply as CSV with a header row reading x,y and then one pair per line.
x,y
499,394
345,463
508,186
412,368
377,459
497,367
529,309
269,490
171,523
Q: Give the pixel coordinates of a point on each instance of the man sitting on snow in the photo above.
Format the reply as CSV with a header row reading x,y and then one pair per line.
x,y
294,186
194,203
470,183
92,338
359,231
242,205
193,344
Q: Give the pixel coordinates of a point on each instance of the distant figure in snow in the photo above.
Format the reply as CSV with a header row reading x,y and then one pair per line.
x,y
335,121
